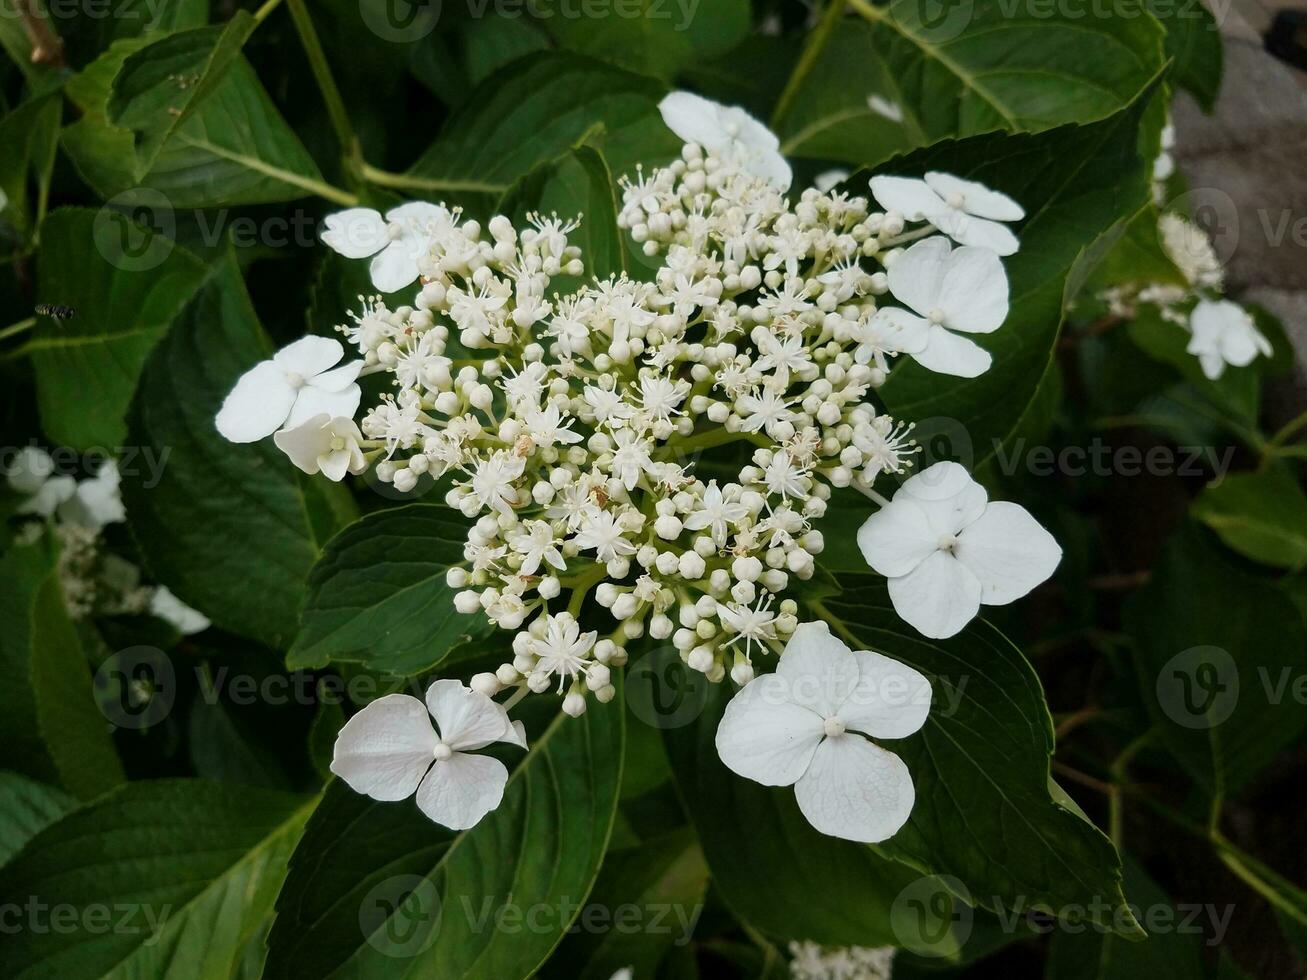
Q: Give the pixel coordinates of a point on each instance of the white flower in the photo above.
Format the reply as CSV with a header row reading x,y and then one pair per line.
x,y
97,501
1191,250
763,411
603,533
170,609
946,550
389,750
716,513
563,650
812,962
492,481
729,132
324,445
752,626
1224,333
968,212
828,179
32,475
962,289
397,241
630,457
545,427
536,543
799,726
300,381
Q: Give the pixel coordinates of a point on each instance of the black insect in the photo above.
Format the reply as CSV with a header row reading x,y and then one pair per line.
x,y
55,312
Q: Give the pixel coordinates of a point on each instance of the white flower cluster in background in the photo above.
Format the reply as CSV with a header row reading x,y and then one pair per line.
x,y
812,962
93,579
1221,332
567,426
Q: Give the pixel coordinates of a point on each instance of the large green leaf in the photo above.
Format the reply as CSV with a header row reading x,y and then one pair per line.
x,y
49,722
373,884
985,813
230,146
771,867
653,37
1077,184
647,898
168,878
1219,654
536,109
231,529
27,807
378,595
911,74
1193,42
1263,516
125,285
30,135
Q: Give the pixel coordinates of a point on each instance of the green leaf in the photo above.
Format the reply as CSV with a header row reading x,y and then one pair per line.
x,y
1169,951
458,57
770,866
160,85
578,183
378,596
26,808
49,721
30,135
232,147
1221,657
533,111
652,37
231,529
984,811
1263,516
647,898
905,77
1077,184
1193,43
372,881
169,878
126,285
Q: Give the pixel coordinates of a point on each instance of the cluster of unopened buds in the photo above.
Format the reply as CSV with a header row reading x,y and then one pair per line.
x,y
569,426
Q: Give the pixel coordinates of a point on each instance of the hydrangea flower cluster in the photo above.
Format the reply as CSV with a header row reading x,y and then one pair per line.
x,y
1221,332
567,425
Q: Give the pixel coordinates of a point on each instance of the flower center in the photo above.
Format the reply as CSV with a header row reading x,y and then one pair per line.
x,y
948,542
834,727
442,752
956,200
295,379
936,315
337,444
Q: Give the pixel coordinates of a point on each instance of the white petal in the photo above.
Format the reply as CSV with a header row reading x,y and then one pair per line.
x,y
856,790
949,353
312,400
908,333
909,196
771,167
418,213
898,538
1008,551
338,379
938,597
172,610
891,700
257,406
939,481
336,464
766,737
355,233
977,198
309,356
466,718
967,229
693,118
916,276
385,749
974,294
304,443
818,668
49,496
395,267
515,734
31,468
462,789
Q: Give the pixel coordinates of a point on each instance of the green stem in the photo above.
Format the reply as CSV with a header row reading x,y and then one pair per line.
x,y
261,14
411,182
816,44
349,144
16,328
1115,812
324,190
